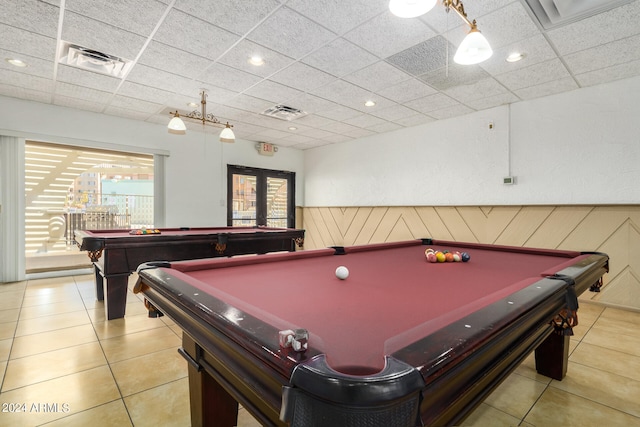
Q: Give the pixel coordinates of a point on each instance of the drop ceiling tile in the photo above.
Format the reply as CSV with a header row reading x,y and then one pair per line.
x,y
393,113
311,103
302,77
147,93
606,27
290,33
415,120
359,133
31,15
603,56
296,139
87,78
79,104
534,75
125,113
339,113
194,35
407,91
25,93
423,57
249,103
492,101
455,111
546,89
335,139
339,16
28,43
340,58
340,128
377,76
99,36
385,127
232,79
236,16
274,92
387,34
430,103
177,61
270,135
484,88
364,121
18,79
245,128
605,75
536,49
350,95
215,95
154,77
315,121
317,133
36,66
123,14
238,57
84,93
453,75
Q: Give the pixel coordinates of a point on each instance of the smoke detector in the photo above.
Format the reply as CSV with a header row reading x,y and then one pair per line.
x,y
283,112
88,59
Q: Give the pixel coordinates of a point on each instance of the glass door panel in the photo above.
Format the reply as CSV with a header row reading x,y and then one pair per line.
x,y
244,200
277,202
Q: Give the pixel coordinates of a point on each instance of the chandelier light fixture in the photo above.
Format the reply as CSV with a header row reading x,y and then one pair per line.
x,y
177,126
474,48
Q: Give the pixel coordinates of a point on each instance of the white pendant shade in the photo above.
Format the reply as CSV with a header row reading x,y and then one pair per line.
x,y
227,135
177,126
411,8
474,49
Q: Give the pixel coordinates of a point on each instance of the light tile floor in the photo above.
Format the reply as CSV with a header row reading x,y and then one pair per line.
x,y
63,364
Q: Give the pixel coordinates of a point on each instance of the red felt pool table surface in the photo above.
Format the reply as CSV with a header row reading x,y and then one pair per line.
x,y
391,298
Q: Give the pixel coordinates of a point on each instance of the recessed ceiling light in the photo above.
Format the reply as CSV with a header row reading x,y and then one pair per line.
x,y
292,128
515,57
256,60
16,62
369,103
192,105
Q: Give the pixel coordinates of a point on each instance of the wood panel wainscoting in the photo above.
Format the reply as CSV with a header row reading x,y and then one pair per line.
x,y
613,229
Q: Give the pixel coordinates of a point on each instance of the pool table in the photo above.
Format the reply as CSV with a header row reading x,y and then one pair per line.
x,y
115,254
399,342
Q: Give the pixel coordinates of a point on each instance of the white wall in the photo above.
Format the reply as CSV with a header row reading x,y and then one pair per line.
x,y
580,147
195,171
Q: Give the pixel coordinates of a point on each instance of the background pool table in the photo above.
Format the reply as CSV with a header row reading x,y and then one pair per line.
x,y
400,342
117,253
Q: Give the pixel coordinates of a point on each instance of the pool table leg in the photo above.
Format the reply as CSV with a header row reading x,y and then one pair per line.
x,y
99,283
115,298
211,405
552,356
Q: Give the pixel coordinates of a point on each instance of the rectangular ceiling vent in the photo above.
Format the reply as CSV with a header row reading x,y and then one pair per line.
x,y
283,112
556,13
93,60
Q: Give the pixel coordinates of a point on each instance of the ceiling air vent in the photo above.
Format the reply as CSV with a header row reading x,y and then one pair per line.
x,y
93,60
556,13
283,112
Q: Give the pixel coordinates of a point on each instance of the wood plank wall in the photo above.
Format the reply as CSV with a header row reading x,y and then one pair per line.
x,y
614,230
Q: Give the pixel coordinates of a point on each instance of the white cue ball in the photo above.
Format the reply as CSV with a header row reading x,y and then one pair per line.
x,y
342,272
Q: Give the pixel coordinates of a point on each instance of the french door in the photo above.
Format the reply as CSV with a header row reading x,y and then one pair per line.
x,y
260,197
